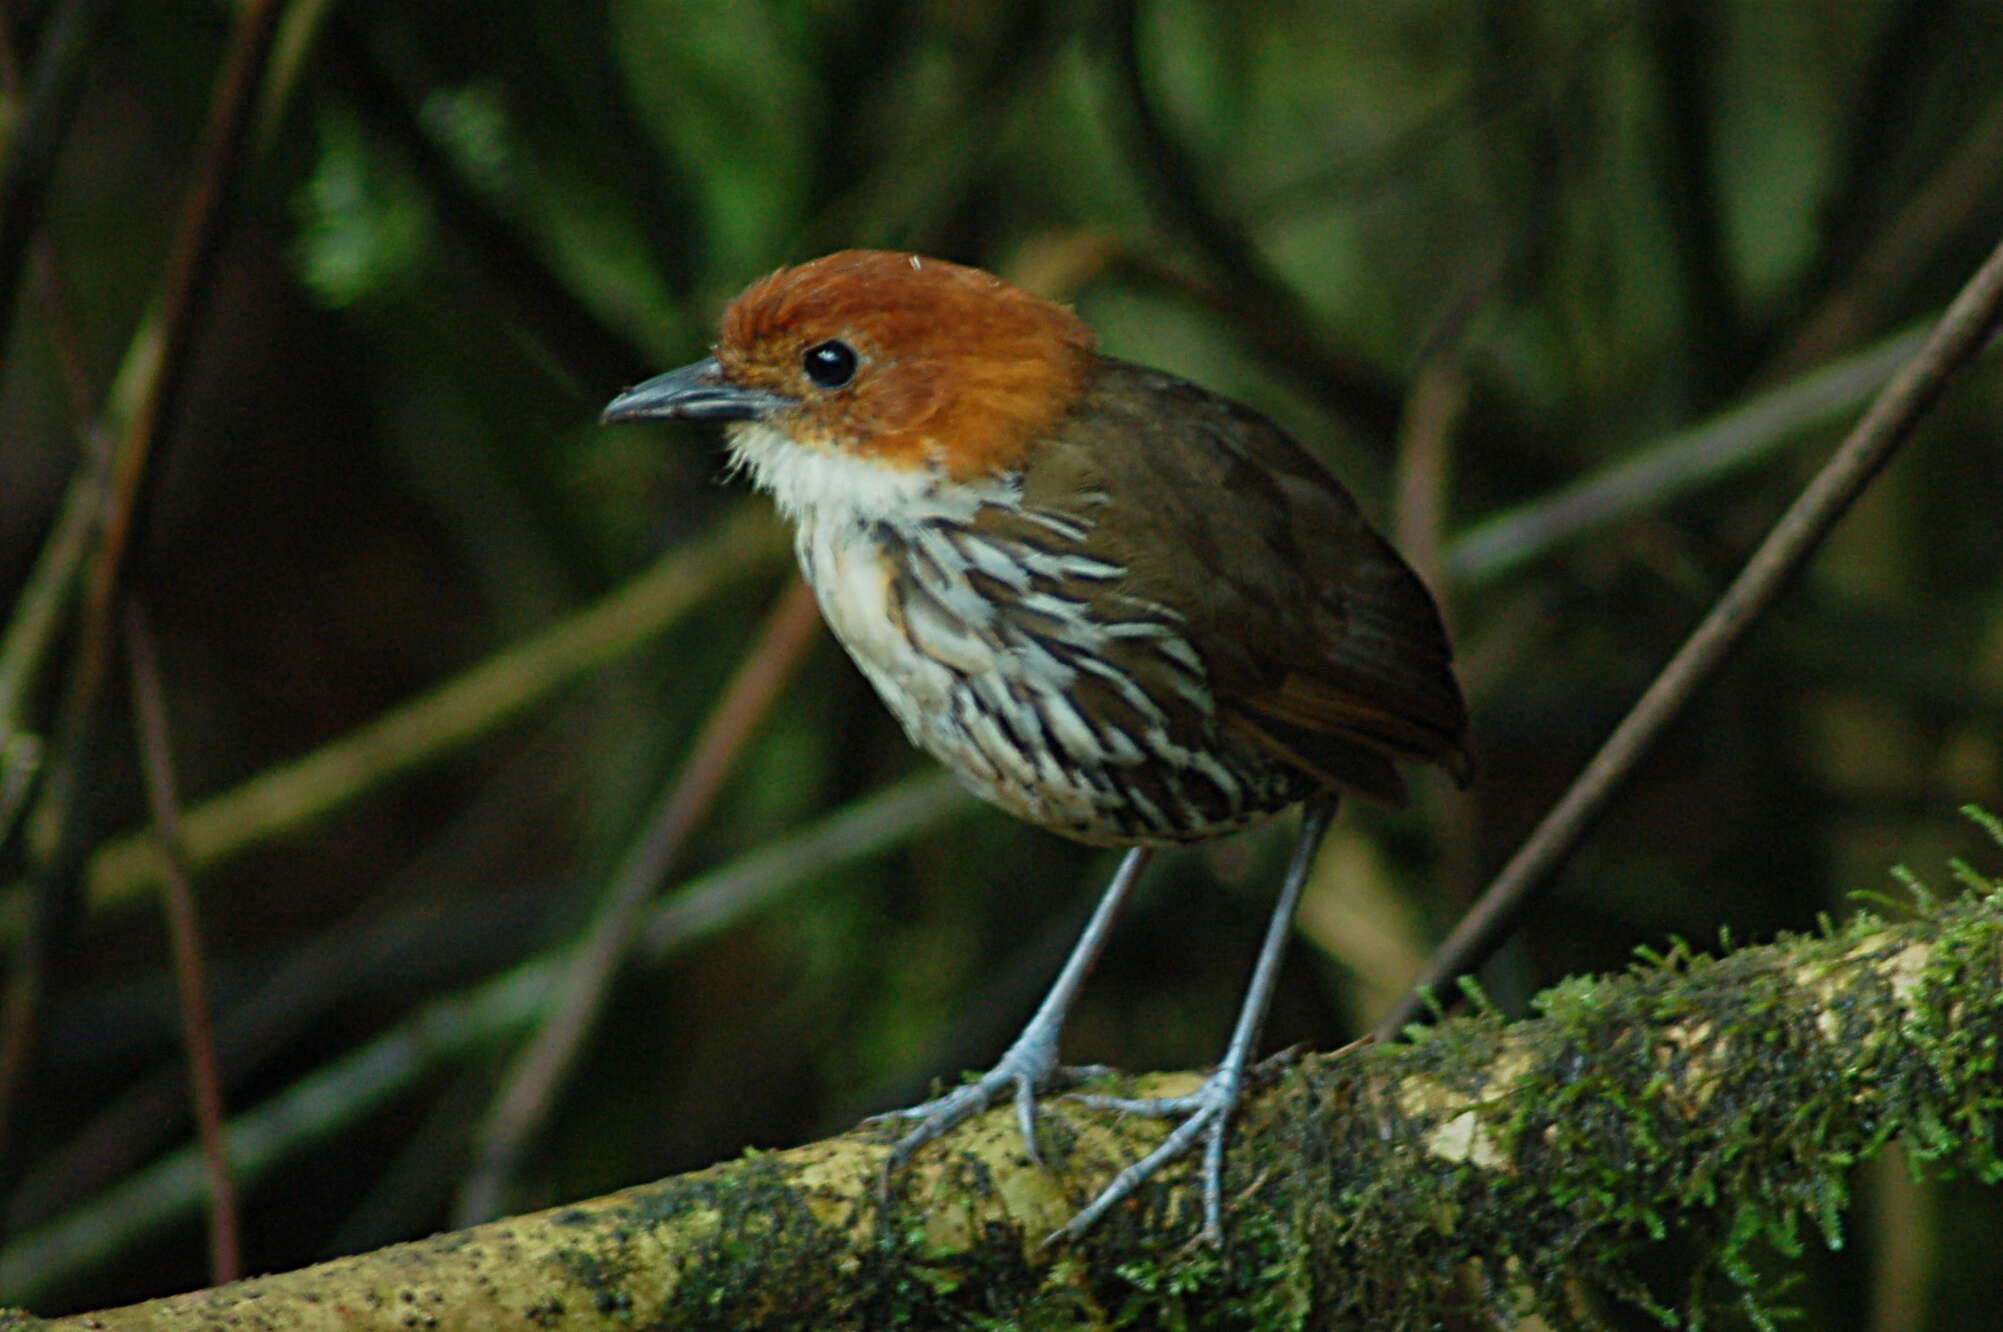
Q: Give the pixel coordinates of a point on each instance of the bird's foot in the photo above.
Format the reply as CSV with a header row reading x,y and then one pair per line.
x,y
1029,1067
1206,1118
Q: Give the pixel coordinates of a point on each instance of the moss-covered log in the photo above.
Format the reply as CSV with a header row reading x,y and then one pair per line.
x,y
1489,1166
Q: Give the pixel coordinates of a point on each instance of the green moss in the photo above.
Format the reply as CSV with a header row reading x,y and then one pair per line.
x,y
1717,1102
1708,1107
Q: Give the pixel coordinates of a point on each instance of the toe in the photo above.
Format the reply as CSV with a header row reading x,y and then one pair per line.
x,y
1025,1119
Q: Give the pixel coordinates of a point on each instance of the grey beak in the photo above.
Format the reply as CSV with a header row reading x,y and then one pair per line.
x,y
698,392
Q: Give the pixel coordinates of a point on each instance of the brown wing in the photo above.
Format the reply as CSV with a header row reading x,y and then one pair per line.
x,y
1322,645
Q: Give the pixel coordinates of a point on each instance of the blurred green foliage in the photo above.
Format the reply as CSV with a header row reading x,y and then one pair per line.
x,y
469,225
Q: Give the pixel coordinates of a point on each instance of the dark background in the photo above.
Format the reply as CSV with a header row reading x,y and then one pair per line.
x,y
1583,227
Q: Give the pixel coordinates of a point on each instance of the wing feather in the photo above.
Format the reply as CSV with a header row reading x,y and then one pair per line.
x,y
1322,645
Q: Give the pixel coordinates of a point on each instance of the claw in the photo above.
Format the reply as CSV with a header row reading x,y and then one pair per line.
x,y
1206,1118
1027,1069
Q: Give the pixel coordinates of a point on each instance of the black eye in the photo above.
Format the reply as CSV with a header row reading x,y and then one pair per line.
x,y
830,364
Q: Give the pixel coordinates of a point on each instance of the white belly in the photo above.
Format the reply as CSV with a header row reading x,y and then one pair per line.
x,y
993,703
959,690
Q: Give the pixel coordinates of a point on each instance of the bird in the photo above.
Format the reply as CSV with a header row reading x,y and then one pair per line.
x,y
1119,606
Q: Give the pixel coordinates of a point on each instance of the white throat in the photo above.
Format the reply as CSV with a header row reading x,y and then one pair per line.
x,y
816,486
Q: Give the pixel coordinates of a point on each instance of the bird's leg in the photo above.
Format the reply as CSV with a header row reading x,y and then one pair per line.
x,y
1206,1112
1030,1065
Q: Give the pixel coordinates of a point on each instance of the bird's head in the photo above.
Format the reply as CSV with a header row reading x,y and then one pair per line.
x,y
879,363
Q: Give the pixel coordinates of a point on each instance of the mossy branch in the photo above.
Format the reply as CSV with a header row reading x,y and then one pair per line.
x,y
1491,1167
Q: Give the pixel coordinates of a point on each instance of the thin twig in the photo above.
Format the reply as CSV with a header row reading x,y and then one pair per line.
x,y
406,931
191,983
33,141
1422,485
185,294
38,613
185,290
1425,452
538,1073
1869,446
1735,439
451,1028
58,314
293,795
